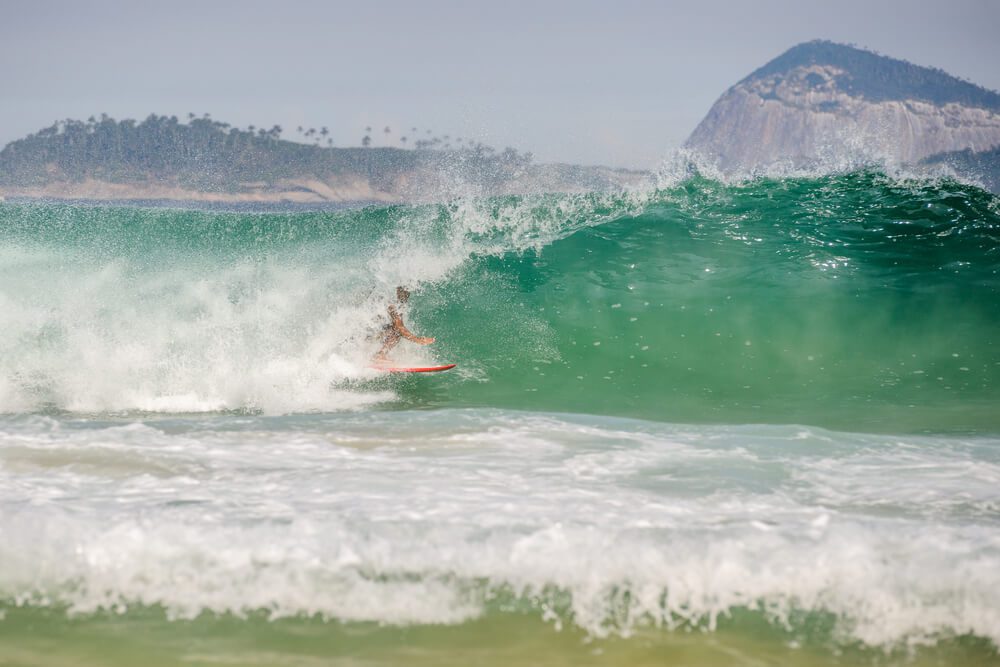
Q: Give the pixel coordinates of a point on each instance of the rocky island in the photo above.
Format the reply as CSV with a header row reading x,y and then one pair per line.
x,y
820,103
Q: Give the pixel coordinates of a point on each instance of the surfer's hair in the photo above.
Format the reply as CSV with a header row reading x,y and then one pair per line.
x,y
402,294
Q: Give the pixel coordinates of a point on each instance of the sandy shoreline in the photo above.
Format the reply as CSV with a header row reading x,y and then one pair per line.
x,y
305,191
352,189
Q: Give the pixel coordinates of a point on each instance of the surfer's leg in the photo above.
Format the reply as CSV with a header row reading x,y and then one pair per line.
x,y
391,341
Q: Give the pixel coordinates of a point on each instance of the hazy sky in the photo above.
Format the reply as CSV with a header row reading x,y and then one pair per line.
x,y
615,82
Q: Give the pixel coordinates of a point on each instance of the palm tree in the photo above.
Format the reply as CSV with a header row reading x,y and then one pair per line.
x,y
324,131
366,141
402,140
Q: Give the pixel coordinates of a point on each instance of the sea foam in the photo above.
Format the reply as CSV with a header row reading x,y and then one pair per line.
x,y
414,518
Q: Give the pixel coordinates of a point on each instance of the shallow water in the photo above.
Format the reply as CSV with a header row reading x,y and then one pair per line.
x,y
591,528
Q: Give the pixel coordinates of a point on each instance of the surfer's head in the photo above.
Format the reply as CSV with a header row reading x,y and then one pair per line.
x,y
402,294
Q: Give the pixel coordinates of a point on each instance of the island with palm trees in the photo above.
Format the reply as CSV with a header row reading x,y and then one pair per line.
x,y
202,159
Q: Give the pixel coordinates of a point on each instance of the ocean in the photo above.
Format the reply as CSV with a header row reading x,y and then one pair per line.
x,y
716,422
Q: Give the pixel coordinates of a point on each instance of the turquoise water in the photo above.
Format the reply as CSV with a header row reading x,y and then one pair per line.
x,y
714,422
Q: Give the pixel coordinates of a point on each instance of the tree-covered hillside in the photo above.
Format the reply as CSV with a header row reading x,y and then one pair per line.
x,y
208,155
879,78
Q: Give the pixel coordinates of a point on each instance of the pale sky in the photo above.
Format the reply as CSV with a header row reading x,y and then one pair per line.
x,y
616,82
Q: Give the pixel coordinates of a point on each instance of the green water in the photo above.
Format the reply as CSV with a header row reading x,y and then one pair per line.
x,y
147,638
849,301
845,302
740,424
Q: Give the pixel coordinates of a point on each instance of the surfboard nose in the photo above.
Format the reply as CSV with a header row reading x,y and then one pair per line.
x,y
413,369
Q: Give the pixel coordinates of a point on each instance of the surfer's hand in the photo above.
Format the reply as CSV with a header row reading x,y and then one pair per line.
x,y
426,340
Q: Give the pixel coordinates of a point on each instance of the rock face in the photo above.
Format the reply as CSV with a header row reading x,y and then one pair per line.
x,y
822,102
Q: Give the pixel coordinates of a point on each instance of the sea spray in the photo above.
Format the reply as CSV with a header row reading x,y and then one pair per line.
x,y
604,524
847,299
634,444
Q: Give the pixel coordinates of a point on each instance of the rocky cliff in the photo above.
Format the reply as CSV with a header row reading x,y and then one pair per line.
x,y
822,102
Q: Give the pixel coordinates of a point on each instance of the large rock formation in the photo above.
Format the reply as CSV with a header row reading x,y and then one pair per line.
x,y
821,102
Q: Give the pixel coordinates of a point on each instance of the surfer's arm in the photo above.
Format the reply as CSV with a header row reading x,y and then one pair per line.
x,y
397,324
409,335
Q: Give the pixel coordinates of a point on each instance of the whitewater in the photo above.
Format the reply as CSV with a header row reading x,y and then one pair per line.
x,y
718,422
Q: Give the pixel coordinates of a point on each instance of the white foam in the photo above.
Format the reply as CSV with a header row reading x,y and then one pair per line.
x,y
105,327
425,517
847,155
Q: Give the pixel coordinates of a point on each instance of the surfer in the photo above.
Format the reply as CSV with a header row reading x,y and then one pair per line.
x,y
391,332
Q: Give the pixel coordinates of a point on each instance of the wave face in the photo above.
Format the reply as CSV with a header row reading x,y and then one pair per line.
x,y
853,301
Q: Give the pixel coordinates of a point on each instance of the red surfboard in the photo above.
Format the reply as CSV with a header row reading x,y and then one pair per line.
x,y
413,369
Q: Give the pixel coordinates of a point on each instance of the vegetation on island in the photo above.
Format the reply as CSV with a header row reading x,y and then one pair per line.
x,y
880,78
207,155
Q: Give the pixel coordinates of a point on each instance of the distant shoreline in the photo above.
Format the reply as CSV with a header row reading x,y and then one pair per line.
x,y
334,192
207,163
308,191
199,205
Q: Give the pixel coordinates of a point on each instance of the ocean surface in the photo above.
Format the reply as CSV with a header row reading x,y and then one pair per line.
x,y
713,423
